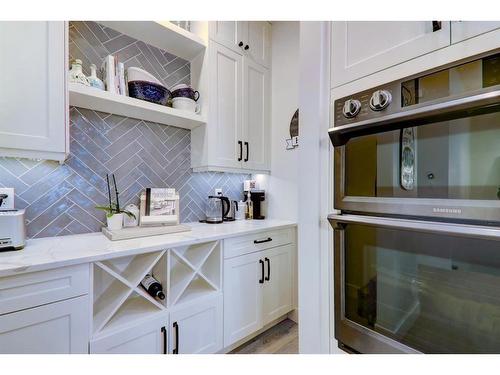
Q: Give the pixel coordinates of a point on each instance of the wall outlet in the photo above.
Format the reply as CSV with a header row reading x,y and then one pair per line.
x,y
7,203
218,191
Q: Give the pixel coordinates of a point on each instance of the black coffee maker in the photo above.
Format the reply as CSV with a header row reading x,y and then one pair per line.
x,y
257,197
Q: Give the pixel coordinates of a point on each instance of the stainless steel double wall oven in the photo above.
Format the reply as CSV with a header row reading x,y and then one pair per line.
x,y
417,243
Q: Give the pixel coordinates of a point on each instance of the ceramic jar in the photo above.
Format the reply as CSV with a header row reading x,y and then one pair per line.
x,y
94,81
186,104
76,75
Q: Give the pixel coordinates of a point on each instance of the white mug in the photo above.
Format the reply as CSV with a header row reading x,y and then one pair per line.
x,y
186,104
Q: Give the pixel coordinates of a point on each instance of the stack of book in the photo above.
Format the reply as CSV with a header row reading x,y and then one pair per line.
x,y
113,72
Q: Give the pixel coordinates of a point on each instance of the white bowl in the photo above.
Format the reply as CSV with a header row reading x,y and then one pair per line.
x,y
138,74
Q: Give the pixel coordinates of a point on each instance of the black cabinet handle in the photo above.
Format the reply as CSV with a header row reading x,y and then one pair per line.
x,y
240,44
176,328
247,47
261,281
247,148
268,239
164,331
436,26
268,277
241,150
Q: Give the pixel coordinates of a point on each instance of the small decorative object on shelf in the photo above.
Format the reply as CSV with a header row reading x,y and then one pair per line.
x,y
94,80
153,287
159,206
114,214
131,221
186,104
76,75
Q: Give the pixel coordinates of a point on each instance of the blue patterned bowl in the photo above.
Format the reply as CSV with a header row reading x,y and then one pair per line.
x,y
149,91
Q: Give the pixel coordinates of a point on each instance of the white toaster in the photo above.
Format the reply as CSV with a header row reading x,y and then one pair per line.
x,y
12,230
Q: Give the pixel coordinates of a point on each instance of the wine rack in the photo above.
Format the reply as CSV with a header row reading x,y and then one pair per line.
x,y
186,273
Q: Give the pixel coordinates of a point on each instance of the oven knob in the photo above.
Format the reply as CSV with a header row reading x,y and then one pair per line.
x,y
380,100
351,108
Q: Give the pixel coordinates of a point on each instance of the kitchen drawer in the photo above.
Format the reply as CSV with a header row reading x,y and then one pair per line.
x,y
38,288
257,241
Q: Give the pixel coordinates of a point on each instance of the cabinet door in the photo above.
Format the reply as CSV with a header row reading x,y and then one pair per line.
x,y
462,30
242,297
226,106
360,48
229,34
256,116
56,328
278,283
33,103
259,42
148,337
197,327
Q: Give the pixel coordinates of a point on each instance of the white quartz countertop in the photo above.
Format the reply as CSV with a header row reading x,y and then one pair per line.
x,y
53,252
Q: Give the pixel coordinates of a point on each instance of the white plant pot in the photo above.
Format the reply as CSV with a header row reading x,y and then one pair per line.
x,y
115,222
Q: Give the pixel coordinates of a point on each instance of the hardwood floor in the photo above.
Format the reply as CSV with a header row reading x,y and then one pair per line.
x,y
283,338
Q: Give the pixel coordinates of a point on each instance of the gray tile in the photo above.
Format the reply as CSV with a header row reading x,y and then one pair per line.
x,y
7,179
126,167
88,159
116,161
40,170
90,176
120,129
45,184
90,38
48,199
14,166
121,143
56,226
84,218
94,119
151,175
110,32
86,142
58,208
97,196
94,134
75,227
97,31
118,43
81,201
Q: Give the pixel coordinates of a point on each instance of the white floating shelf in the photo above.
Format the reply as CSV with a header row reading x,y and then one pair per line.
x,y
161,34
104,101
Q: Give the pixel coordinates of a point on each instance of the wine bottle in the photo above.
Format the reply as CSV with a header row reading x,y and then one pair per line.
x,y
152,286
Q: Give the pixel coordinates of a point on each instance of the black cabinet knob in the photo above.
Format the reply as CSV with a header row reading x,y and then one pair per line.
x,y
246,47
240,44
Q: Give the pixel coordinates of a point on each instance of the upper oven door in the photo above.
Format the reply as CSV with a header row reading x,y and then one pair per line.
x,y
434,153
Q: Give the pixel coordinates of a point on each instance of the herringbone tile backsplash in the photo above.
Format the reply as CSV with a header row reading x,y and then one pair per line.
x,y
61,199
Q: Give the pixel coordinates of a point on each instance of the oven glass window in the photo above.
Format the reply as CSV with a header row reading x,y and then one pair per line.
x,y
434,293
458,159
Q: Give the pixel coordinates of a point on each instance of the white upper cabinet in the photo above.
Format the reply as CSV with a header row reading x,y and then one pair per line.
x,y
462,30
249,38
33,100
259,42
236,136
230,34
361,48
256,116
226,106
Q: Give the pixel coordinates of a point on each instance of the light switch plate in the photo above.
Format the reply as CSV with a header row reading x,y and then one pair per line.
x,y
7,203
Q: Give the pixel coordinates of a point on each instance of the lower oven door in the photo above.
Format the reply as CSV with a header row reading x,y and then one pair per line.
x,y
404,286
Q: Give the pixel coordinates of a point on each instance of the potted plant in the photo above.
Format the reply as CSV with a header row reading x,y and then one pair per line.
x,y
114,214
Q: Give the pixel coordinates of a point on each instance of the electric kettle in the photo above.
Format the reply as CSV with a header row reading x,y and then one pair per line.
x,y
217,209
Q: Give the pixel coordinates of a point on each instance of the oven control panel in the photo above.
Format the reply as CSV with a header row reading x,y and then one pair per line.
x,y
368,104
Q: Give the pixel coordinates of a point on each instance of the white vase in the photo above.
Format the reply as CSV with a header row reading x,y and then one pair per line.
x,y
93,79
115,222
75,74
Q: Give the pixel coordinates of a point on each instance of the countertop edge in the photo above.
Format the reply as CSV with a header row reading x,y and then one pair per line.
x,y
47,264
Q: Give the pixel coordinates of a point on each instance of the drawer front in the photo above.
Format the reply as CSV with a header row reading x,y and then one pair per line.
x,y
38,288
257,241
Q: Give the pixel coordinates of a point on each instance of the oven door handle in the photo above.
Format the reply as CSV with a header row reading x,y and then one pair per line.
x,y
463,230
464,106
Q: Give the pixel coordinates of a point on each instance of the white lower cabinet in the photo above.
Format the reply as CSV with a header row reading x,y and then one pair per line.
x,y
147,337
257,290
56,328
277,283
196,328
